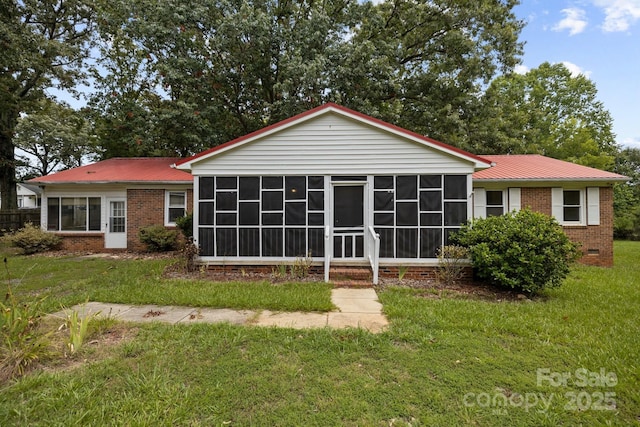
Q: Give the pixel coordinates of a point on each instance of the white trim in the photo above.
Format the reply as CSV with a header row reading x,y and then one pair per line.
x,y
167,206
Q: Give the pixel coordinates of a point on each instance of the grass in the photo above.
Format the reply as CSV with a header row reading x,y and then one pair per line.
x,y
438,363
71,280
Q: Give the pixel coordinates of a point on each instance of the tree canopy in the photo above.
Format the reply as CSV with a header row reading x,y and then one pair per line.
x,y
547,111
42,45
55,136
177,77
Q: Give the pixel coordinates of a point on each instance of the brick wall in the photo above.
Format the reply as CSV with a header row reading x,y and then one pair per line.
x,y
596,240
146,207
340,273
80,242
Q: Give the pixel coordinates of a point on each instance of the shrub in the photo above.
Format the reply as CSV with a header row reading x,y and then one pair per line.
x,y
32,239
452,259
185,224
526,251
158,238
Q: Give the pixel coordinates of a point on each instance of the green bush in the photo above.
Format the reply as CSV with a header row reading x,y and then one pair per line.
x,y
185,224
526,251
158,238
32,239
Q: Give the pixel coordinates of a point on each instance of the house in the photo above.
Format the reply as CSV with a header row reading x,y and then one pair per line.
x,y
331,185
28,196
579,197
102,206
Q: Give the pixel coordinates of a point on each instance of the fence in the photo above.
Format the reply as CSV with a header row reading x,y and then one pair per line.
x,y
14,219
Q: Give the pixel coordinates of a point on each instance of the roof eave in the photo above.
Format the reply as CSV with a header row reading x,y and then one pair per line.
x,y
602,180
40,183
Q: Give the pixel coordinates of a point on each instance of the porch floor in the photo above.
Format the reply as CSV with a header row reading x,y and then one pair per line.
x,y
356,308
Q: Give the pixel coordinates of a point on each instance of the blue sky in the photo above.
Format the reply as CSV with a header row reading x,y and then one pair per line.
x,y
598,38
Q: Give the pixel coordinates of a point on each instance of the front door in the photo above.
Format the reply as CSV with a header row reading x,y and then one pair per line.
x,y
348,221
115,236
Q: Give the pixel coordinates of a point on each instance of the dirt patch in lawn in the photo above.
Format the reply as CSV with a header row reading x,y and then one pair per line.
x,y
475,290
99,346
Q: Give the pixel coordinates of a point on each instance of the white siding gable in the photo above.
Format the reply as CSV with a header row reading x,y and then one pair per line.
x,y
331,144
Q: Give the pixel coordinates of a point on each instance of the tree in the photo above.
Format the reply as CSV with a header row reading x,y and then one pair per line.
x,y
626,200
57,136
423,65
546,111
42,45
179,77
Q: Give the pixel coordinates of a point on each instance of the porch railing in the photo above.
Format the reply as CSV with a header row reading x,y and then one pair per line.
x,y
327,252
373,252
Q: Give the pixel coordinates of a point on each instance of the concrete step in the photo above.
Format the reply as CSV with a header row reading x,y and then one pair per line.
x,y
350,274
352,284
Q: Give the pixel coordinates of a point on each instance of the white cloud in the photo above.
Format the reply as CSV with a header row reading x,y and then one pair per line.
x,y
575,69
574,21
631,142
619,14
521,69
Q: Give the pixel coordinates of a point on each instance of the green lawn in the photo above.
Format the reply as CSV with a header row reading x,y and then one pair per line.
x,y
448,361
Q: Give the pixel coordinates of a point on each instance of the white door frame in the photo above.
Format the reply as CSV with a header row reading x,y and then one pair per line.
x,y
365,216
115,239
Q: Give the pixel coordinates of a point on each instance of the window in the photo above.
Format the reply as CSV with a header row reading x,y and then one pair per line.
x,y
73,213
176,206
571,205
495,202
568,206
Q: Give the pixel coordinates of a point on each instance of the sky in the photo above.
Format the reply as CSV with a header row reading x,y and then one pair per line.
x,y
598,38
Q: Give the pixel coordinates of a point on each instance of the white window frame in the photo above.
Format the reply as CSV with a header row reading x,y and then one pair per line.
x,y
167,205
59,229
504,200
557,198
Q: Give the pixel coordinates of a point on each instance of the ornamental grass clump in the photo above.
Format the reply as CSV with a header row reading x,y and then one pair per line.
x,y
525,251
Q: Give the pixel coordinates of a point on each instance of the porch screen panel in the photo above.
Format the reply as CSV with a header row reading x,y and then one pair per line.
x,y
206,241
416,214
268,216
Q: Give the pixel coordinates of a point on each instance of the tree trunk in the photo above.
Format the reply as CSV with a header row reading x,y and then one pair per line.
x,y
8,193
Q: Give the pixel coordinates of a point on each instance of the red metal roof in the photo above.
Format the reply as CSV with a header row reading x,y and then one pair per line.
x,y
330,106
534,167
134,169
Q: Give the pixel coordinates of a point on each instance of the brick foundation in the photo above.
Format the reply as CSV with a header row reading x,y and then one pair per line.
x,y
344,273
596,240
82,242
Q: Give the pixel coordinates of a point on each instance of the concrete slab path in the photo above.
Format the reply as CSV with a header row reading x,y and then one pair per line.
x,y
357,308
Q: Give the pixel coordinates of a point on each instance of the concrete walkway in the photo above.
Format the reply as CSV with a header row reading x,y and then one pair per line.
x,y
357,308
